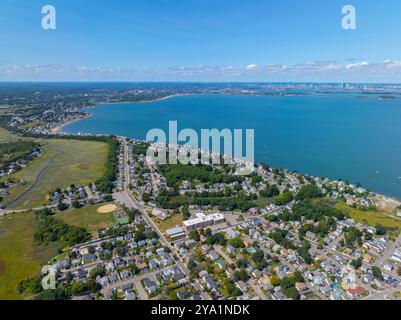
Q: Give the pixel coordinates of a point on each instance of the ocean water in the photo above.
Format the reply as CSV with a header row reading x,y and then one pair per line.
x,y
339,136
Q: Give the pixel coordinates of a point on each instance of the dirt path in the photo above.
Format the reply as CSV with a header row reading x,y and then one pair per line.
x,y
36,182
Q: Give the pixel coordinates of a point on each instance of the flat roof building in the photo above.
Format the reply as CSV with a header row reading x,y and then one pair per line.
x,y
175,233
202,220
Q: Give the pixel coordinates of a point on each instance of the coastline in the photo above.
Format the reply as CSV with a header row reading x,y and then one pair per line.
x,y
142,101
383,197
386,198
60,127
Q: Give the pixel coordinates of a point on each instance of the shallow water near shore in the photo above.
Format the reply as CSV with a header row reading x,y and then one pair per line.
x,y
335,136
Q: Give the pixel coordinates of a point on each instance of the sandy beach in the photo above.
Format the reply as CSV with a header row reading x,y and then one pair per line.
x,y
58,128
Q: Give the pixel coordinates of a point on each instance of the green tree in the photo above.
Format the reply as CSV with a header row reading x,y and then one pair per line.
x,y
380,230
194,235
357,263
292,293
236,242
308,191
377,273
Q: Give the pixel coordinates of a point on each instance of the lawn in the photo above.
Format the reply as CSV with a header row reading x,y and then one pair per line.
x,y
169,223
64,162
19,257
371,218
88,218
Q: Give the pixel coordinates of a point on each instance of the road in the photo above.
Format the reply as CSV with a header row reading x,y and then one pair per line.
x,y
383,295
221,252
128,199
35,183
388,252
258,290
136,281
6,212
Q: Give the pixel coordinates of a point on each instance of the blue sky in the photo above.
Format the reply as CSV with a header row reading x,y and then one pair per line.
x,y
201,40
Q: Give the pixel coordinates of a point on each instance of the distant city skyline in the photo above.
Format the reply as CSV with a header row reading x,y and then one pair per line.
x,y
201,41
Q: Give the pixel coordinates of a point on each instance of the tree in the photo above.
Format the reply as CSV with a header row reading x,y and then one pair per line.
x,y
108,198
69,277
309,191
380,230
56,294
298,277
78,288
217,238
304,254
76,204
93,286
194,235
191,264
283,198
30,286
236,243
98,271
185,212
270,191
357,263
241,275
274,280
377,273
132,213
292,293
62,206
352,235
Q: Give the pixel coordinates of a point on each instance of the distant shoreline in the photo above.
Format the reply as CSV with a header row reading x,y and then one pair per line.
x,y
59,128
144,101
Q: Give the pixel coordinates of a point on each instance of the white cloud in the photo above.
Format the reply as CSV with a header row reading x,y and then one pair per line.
x,y
312,71
252,66
357,65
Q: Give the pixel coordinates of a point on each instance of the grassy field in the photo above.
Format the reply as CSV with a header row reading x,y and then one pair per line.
x,y
371,218
169,223
19,257
78,162
87,217
6,136
30,125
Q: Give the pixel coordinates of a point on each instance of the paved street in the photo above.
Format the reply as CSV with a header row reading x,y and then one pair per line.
x,y
136,281
128,199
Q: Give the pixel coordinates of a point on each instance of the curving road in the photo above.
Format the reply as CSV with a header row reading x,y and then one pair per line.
x,y
35,183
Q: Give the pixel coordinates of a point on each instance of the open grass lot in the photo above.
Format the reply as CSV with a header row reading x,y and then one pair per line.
x,y
63,163
371,218
31,124
88,217
169,223
6,136
19,257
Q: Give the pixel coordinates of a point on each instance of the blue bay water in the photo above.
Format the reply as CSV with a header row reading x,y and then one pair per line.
x,y
337,136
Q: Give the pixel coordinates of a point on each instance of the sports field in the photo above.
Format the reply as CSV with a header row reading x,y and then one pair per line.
x,y
88,217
